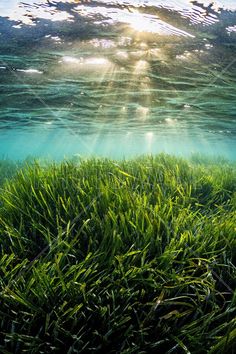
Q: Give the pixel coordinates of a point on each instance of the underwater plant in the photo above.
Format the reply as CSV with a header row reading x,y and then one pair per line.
x,y
111,256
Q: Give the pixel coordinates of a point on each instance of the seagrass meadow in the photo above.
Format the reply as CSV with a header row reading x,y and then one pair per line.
x,y
104,256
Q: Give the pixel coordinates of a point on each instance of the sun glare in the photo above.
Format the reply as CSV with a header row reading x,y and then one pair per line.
x,y
139,22
141,66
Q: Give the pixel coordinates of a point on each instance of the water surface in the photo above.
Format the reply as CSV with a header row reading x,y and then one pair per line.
x,y
117,78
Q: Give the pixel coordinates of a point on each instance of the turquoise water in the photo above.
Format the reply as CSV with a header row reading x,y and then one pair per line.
x,y
117,78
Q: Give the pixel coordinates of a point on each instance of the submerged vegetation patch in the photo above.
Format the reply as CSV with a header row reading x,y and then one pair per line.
x,y
7,170
109,256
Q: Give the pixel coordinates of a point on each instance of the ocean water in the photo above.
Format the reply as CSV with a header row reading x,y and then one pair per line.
x,y
117,78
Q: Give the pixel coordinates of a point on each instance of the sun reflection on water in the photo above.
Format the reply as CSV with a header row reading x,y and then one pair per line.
x,y
87,63
141,66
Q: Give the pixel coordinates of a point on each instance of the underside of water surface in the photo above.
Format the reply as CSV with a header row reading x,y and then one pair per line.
x,y
117,78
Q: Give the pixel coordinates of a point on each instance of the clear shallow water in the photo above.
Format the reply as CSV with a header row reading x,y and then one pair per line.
x,y
117,78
